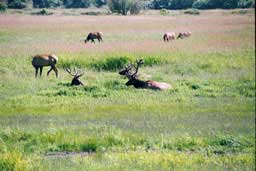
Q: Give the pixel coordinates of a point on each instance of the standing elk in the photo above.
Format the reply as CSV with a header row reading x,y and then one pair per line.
x,y
39,61
75,81
169,36
184,34
94,35
137,83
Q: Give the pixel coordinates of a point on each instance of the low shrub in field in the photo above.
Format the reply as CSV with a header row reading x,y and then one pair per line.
x,y
192,12
241,12
164,12
42,12
111,64
92,13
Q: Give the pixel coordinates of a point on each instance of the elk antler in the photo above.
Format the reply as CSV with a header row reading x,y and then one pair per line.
x,y
139,62
76,74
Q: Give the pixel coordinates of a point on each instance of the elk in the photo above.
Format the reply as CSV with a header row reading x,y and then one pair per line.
x,y
137,83
39,61
75,81
94,35
184,34
169,36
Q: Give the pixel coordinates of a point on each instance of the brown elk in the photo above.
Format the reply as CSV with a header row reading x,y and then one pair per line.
x,y
94,35
184,34
169,36
39,61
137,83
75,81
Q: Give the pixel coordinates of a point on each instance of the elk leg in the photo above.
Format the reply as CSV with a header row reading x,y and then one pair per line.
x,y
49,70
41,69
36,71
56,71
93,41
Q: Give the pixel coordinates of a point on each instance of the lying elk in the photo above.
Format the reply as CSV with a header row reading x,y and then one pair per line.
x,y
75,81
169,36
39,61
95,35
133,78
184,34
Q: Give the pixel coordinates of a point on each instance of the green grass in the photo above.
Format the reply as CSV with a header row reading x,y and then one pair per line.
x,y
205,122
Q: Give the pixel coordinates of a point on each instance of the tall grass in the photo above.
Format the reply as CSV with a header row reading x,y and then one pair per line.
x,y
205,122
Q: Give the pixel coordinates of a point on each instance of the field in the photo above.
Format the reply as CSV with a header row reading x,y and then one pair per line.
x,y
205,122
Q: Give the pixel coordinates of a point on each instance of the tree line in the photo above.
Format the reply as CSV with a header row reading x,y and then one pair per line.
x,y
132,6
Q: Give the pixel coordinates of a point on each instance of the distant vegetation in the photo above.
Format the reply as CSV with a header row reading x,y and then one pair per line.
x,y
129,6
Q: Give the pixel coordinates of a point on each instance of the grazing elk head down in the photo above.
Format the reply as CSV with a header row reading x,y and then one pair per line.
x,y
183,35
94,35
169,36
75,81
39,61
137,83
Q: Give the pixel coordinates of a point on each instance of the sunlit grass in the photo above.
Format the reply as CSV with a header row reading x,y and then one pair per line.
x,y
205,122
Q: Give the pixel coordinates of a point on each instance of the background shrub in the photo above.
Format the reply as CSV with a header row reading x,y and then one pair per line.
x,y
17,4
192,12
2,7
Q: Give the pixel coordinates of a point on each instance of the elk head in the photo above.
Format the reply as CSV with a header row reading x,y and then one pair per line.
x,y
76,75
132,76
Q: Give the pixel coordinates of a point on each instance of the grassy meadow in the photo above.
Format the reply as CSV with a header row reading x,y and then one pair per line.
x,y
205,122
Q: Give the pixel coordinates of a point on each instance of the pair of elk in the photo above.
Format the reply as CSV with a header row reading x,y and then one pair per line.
x,y
94,35
40,61
171,36
137,83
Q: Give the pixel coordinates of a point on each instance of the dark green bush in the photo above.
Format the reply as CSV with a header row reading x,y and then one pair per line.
x,y
111,64
46,3
2,7
17,4
77,3
246,3
136,7
42,12
119,6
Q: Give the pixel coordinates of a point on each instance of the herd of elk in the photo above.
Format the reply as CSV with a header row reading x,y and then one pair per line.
x,y
171,35
94,35
39,61
137,83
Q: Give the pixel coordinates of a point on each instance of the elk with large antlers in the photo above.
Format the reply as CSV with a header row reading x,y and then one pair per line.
x,y
137,83
75,81
39,61
94,35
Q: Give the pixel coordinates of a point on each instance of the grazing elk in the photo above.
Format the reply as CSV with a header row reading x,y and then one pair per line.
x,y
137,83
94,35
75,81
39,61
169,36
184,34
